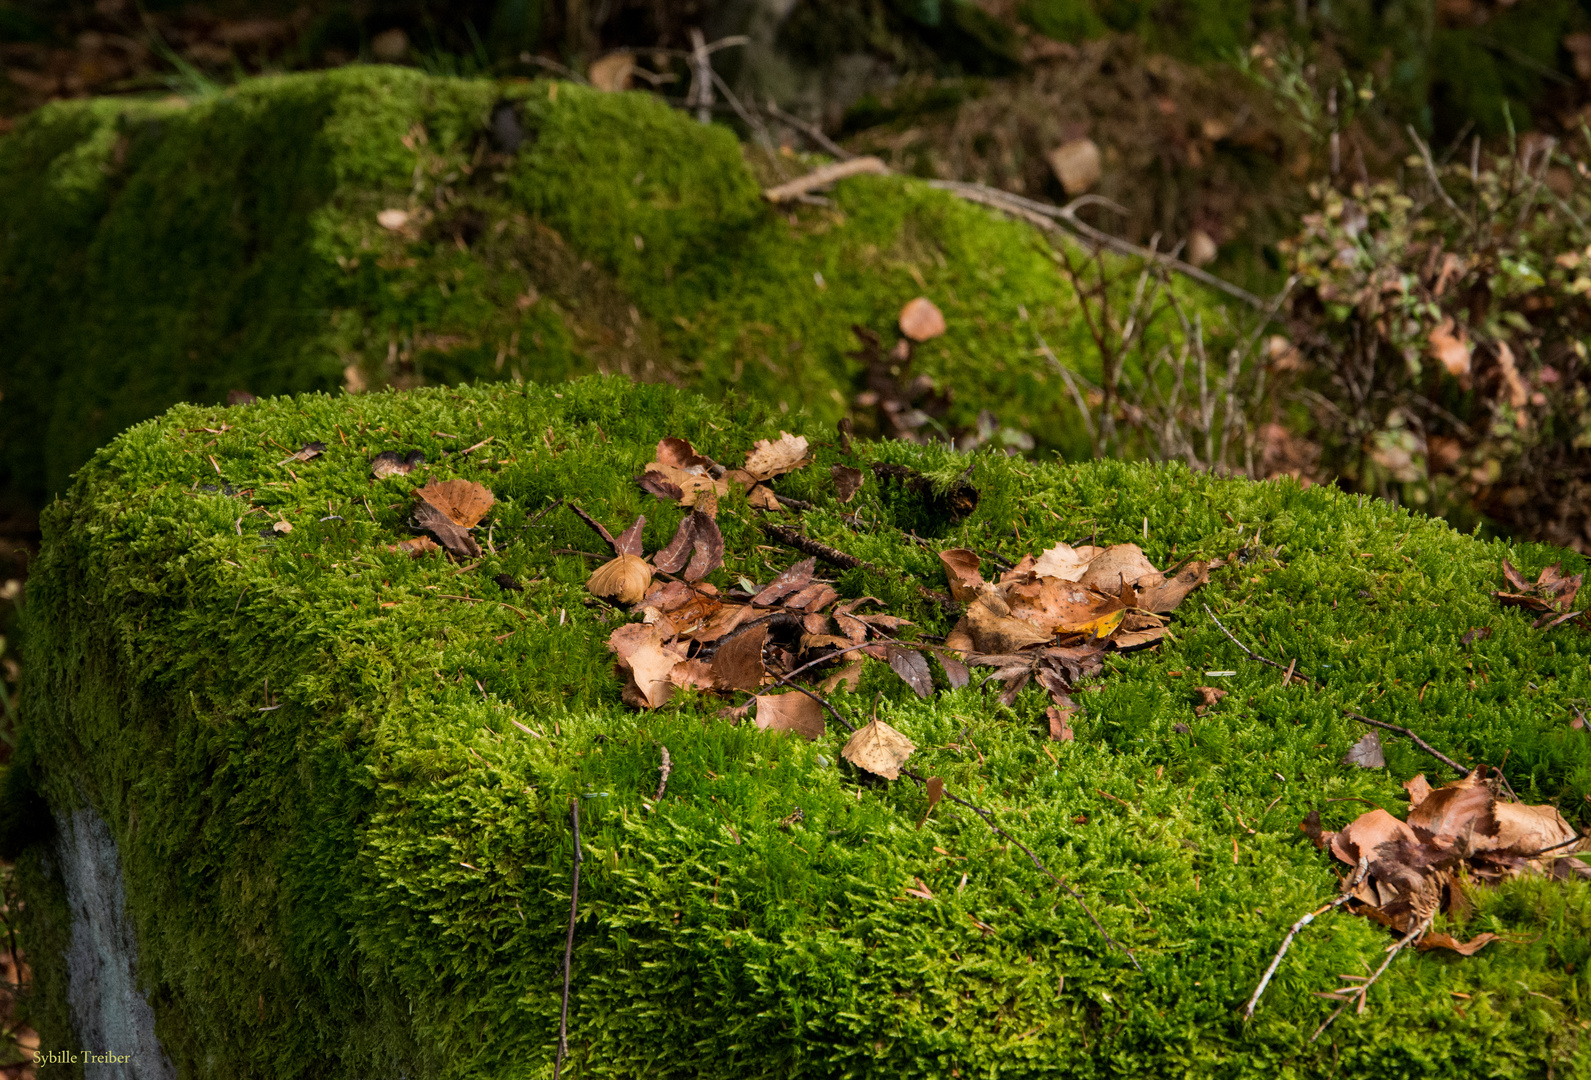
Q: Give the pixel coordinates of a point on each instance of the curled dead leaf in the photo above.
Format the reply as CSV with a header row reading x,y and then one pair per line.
x,y
392,463
961,570
623,579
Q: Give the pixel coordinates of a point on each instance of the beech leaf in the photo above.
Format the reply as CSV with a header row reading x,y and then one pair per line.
x,y
793,711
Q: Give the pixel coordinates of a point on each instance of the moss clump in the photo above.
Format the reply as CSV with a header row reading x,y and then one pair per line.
x,y
152,252
374,876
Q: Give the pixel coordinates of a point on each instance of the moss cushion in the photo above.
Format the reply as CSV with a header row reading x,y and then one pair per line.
x,y
338,778
173,250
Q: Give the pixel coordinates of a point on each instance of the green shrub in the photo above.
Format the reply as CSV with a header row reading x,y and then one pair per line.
x,y
373,878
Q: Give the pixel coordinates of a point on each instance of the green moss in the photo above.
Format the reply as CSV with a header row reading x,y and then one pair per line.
x,y
158,252
373,878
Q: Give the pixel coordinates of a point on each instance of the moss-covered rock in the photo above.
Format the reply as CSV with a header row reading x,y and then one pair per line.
x,y
338,779
164,251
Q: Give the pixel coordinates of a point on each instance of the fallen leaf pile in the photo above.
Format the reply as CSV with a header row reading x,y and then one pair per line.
x,y
1050,619
1454,834
1552,594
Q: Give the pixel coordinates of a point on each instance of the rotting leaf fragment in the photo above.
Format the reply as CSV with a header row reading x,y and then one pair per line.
x,y
392,463
1366,753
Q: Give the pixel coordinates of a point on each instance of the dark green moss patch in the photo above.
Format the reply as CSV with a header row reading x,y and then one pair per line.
x,y
374,876
155,252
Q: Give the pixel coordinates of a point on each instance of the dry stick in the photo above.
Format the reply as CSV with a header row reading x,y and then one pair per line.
x,y
1252,655
1287,942
663,769
1430,171
811,131
1392,954
1049,216
569,945
828,174
1421,743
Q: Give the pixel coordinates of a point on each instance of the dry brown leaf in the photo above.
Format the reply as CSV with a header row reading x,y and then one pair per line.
x,y
956,672
850,676
934,788
990,632
960,638
453,536
1060,718
790,712
646,669
1209,695
1049,603
1170,592
1457,816
612,71
921,319
1450,349
847,482
1526,830
1064,562
623,579
692,485
775,457
697,673
910,665
961,570
812,598
1117,565
723,621
879,749
1366,753
415,547
1418,788
761,497
629,541
791,579
463,501
1136,639
1076,164
1448,941
737,665
392,463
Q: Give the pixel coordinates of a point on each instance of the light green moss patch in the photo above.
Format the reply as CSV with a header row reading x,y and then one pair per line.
x,y
155,252
373,878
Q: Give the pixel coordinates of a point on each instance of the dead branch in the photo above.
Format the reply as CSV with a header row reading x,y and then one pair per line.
x,y
1414,934
1287,942
811,131
828,174
1066,218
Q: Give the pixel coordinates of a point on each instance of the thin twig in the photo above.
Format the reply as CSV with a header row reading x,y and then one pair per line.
x,y
1363,989
663,769
1430,171
835,557
1421,743
569,944
1347,894
811,131
1032,209
1252,655
828,174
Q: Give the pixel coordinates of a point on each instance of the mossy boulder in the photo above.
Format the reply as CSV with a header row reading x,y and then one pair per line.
x,y
177,250
334,781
